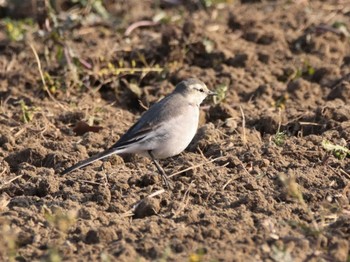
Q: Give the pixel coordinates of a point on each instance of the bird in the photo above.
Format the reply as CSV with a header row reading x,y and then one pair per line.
x,y
164,130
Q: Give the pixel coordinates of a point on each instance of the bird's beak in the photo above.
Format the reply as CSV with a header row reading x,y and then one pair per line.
x,y
212,93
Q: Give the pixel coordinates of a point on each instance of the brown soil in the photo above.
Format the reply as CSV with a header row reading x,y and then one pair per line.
x,y
252,194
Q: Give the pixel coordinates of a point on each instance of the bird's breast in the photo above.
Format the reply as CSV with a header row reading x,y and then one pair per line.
x,y
178,133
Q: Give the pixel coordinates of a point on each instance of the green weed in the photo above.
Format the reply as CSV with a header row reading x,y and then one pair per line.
x,y
16,29
116,71
281,254
342,27
280,138
8,246
281,101
96,6
221,91
60,221
209,3
304,71
198,256
340,152
292,188
27,112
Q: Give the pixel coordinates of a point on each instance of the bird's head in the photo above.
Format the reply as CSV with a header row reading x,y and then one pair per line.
x,y
194,90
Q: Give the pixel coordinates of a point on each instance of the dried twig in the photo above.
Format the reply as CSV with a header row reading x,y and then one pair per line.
x,y
344,172
184,201
243,166
341,171
143,105
201,152
10,181
195,166
132,210
131,70
137,24
3,171
279,120
244,138
158,192
4,201
90,182
42,76
309,124
228,182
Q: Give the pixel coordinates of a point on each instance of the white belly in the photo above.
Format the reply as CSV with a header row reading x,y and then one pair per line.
x,y
178,134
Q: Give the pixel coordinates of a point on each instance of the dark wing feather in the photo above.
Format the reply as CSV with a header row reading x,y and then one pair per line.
x,y
132,137
150,121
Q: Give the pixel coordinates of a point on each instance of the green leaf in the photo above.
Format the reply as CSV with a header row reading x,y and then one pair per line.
x,y
338,151
221,91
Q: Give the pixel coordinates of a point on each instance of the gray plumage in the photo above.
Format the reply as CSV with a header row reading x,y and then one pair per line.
x,y
164,130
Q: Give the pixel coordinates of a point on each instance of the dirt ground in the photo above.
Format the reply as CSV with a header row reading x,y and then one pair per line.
x,y
258,182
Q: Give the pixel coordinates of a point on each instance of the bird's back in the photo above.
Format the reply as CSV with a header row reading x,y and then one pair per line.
x,y
170,107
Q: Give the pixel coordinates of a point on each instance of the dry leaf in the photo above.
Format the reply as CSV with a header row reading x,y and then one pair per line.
x,y
82,127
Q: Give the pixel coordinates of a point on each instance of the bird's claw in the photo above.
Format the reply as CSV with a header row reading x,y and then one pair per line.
x,y
166,181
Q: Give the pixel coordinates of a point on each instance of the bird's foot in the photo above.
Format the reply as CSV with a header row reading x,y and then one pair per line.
x,y
166,181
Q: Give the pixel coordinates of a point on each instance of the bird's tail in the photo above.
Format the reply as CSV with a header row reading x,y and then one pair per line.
x,y
90,160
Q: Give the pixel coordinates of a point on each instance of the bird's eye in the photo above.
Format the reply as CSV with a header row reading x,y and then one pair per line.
x,y
201,90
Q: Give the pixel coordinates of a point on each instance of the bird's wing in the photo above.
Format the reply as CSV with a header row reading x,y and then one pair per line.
x,y
135,135
150,121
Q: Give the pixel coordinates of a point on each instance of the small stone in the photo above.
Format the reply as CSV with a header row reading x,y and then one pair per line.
x,y
221,111
92,237
147,207
265,248
231,123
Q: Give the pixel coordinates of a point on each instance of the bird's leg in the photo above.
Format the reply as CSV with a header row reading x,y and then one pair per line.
x,y
160,170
